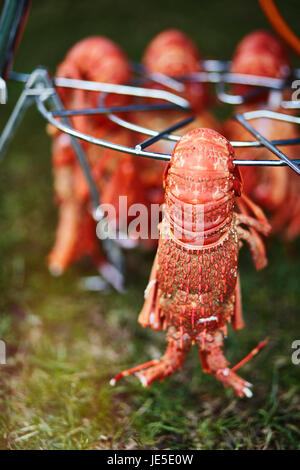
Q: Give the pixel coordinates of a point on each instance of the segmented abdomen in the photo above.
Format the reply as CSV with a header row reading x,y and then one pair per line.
x,y
195,287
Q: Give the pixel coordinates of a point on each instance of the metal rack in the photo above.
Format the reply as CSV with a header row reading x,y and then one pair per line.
x,y
40,90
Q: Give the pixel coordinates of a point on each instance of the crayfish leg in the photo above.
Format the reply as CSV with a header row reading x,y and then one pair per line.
x,y
256,245
259,222
75,237
131,371
170,362
214,362
64,248
237,319
149,315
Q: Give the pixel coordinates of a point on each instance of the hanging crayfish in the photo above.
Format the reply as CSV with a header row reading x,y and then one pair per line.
x,y
262,54
97,59
194,289
171,54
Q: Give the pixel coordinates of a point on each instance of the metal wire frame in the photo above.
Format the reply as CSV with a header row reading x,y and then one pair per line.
x,y
164,135
243,118
218,72
215,72
12,22
40,90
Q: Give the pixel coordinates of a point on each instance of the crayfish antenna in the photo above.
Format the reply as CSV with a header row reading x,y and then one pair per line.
x,y
252,353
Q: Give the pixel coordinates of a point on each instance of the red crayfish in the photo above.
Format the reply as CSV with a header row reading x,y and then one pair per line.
x,y
276,190
173,55
99,59
194,290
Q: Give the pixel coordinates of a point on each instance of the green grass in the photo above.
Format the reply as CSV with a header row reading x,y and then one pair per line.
x,y
64,344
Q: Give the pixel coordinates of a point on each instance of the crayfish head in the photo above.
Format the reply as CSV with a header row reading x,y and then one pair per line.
x,y
99,59
201,182
259,53
201,169
174,54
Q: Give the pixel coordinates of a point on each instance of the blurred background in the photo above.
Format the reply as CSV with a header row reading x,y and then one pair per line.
x,y
64,344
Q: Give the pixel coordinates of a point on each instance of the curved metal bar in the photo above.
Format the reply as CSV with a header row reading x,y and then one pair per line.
x,y
93,140
121,148
228,98
140,129
243,120
111,88
209,76
292,104
234,78
115,109
213,65
152,140
174,138
265,113
264,162
215,72
160,78
150,132
122,90
256,144
253,80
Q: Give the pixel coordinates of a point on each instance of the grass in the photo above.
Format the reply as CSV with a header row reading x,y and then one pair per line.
x,y
64,344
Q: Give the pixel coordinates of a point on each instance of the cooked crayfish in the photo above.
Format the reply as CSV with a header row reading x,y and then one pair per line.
x,y
171,54
262,54
99,59
194,289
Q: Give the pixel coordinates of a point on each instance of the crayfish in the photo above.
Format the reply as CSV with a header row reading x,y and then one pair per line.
x,y
262,54
172,55
194,290
99,59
